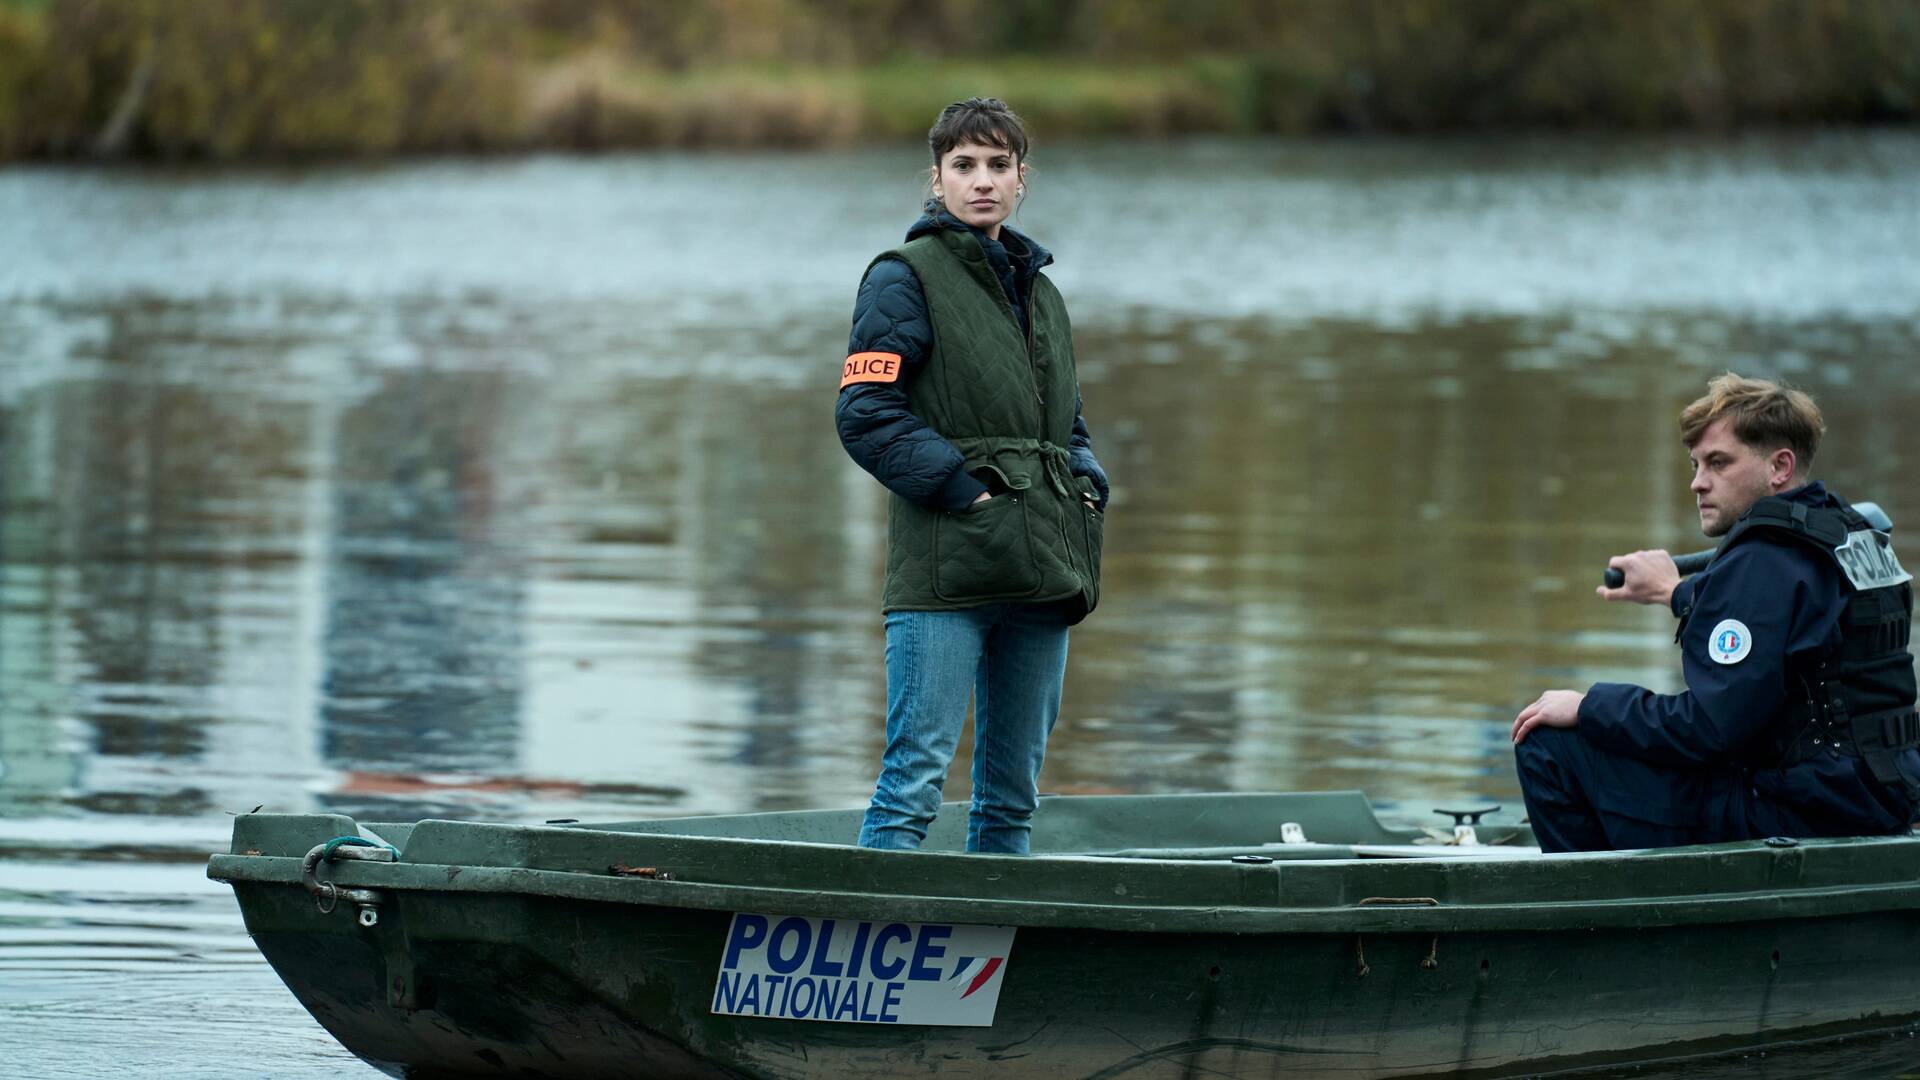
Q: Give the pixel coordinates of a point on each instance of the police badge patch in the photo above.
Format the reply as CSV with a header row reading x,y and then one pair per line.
x,y
1730,643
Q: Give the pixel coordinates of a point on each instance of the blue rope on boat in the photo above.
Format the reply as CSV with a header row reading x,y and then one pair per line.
x,y
334,844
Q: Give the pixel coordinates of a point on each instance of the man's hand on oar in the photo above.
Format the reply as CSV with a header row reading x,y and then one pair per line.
x,y
1647,577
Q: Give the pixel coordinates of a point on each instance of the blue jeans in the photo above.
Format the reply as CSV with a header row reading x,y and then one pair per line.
x,y
1011,659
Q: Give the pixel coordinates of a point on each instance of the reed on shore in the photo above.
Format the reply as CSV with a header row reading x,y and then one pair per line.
x,y
249,79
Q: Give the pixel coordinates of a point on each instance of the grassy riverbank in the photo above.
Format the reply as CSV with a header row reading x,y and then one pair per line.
x,y
248,79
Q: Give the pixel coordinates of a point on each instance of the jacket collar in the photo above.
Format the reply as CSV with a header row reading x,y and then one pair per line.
x,y
1022,248
1814,493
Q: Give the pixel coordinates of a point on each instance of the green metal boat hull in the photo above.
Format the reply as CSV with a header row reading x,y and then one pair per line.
x,y
515,951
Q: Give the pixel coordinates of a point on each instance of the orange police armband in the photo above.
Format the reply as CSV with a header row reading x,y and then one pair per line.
x,y
870,367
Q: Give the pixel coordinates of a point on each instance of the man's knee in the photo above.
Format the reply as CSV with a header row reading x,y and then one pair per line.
x,y
1563,818
1546,755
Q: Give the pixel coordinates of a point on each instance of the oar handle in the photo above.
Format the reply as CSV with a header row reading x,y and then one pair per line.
x,y
1686,564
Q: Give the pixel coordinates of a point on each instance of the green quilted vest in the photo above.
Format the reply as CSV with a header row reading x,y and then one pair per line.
x,y
1006,402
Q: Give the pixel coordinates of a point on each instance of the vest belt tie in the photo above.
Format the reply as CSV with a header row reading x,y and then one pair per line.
x,y
1056,461
1059,463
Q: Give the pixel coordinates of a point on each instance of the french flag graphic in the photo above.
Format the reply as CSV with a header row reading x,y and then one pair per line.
x,y
980,968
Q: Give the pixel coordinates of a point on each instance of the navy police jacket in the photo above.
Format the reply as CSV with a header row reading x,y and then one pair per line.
x,y
890,316
1789,601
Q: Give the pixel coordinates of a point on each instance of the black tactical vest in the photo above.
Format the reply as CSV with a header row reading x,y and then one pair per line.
x,y
1858,698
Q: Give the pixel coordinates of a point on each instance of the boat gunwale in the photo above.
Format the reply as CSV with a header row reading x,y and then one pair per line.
x,y
1807,901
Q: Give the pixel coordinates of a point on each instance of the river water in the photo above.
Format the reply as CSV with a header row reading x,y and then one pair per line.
x,y
508,490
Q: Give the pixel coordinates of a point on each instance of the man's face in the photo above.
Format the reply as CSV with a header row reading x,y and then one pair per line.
x,y
1729,476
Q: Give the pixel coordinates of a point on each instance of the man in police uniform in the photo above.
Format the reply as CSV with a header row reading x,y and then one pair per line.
x,y
1798,718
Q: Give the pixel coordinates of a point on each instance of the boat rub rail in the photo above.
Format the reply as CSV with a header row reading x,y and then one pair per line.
x,y
1718,883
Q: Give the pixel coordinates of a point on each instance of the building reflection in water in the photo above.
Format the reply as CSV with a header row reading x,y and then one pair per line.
x,y
144,557
692,623
425,595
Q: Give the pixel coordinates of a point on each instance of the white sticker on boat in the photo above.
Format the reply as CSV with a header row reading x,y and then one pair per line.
x,y
1730,643
854,972
1868,559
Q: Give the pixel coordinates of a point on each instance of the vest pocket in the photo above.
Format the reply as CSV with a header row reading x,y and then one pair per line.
x,y
985,552
1096,526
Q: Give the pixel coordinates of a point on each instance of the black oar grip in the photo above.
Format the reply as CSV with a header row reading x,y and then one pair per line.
x,y
1686,564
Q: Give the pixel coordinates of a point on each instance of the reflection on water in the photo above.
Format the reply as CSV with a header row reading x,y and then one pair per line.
x,y
509,491
422,640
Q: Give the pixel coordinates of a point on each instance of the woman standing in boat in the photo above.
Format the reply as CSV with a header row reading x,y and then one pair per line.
x,y
959,395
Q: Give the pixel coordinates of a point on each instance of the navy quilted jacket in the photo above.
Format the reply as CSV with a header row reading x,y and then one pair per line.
x,y
890,316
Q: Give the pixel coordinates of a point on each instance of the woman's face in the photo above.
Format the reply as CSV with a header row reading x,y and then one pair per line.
x,y
978,184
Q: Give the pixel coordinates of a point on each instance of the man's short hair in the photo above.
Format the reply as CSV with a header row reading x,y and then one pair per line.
x,y
1765,415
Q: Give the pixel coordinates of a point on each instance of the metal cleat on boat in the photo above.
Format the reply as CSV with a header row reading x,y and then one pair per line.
x,y
327,895
1463,823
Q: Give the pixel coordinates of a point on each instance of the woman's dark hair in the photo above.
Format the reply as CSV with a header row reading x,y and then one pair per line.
x,y
987,121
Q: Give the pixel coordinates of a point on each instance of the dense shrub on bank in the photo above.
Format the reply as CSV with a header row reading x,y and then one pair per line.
x,y
245,78
23,50
260,78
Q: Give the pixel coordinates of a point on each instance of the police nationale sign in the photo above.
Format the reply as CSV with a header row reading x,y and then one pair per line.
x,y
852,972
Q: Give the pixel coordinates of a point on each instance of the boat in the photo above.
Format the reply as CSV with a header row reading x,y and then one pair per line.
x,y
1154,936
